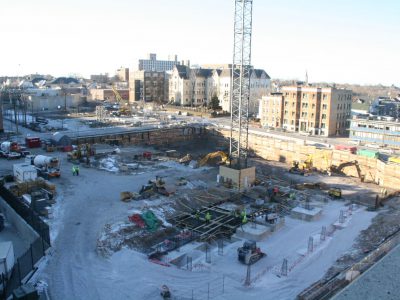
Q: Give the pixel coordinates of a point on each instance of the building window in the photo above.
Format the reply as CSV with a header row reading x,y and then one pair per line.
x,y
323,116
324,97
324,106
322,125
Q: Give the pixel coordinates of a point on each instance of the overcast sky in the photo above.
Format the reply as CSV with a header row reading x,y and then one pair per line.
x,y
355,41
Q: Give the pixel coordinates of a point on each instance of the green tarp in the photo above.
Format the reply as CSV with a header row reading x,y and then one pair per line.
x,y
151,220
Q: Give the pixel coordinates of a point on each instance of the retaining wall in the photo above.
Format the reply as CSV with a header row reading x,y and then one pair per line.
x,y
383,173
24,229
163,136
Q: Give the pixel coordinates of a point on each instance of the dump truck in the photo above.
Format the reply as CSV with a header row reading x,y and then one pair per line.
x,y
47,166
249,253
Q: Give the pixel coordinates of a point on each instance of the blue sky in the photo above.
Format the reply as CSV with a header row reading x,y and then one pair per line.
x,y
342,41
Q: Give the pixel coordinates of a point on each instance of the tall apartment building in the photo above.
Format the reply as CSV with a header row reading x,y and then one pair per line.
x,y
197,86
309,110
123,74
271,110
152,64
147,86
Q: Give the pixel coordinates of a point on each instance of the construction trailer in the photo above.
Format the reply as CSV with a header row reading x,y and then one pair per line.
x,y
24,172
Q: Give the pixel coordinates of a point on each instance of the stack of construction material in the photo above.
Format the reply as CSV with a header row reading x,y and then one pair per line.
x,y
147,219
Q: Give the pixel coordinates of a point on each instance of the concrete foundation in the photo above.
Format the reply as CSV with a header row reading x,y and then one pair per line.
x,y
240,179
306,214
259,232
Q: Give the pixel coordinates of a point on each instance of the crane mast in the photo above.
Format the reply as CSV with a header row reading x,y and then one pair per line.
x,y
240,83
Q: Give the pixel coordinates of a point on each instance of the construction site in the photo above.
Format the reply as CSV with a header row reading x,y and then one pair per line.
x,y
164,211
192,210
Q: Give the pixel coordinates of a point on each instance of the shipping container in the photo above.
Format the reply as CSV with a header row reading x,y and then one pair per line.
x,y
368,153
33,142
24,172
351,149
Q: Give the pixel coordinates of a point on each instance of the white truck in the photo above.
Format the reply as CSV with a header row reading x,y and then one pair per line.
x,y
47,166
6,258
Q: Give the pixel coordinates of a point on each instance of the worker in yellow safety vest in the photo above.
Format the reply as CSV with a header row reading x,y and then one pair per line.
x,y
208,217
244,220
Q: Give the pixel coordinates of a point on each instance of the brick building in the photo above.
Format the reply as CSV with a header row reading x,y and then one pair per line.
x,y
309,110
147,86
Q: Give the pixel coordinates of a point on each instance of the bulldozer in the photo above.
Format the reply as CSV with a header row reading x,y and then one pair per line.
x,y
206,159
154,186
249,253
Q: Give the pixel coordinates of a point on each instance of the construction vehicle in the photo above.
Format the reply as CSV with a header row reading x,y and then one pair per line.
x,y
335,193
308,164
10,150
154,186
249,253
296,169
80,154
123,110
210,156
339,169
47,166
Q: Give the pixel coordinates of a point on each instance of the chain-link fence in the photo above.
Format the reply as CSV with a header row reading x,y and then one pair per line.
x,y
23,266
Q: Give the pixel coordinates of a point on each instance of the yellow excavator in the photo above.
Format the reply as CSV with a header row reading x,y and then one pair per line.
x,y
308,164
339,169
206,159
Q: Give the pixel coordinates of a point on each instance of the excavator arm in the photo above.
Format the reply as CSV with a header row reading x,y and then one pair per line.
x,y
224,157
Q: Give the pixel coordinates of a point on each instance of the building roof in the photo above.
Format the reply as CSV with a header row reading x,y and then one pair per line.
x,y
65,80
182,71
204,72
260,72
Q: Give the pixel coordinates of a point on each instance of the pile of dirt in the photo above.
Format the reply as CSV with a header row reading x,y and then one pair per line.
x,y
125,234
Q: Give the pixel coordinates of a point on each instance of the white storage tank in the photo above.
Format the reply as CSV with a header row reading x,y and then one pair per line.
x,y
24,172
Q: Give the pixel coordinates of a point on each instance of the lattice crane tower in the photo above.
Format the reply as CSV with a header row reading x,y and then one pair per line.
x,y
240,85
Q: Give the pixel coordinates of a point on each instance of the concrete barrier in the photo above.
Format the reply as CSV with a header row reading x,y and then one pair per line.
x,y
24,229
